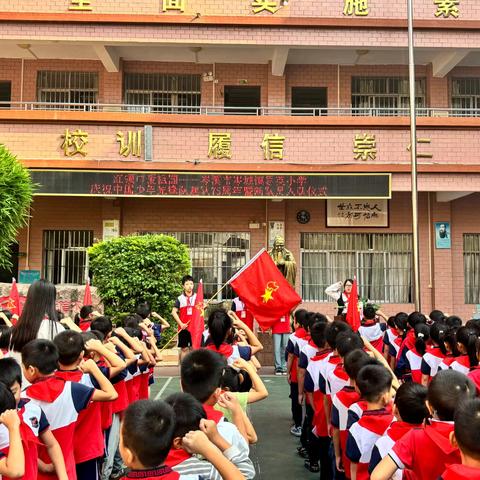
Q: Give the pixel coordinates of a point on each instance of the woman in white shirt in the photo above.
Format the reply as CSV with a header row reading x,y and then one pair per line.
x,y
340,292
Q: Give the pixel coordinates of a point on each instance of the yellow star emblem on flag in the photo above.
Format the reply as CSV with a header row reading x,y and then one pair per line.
x,y
269,289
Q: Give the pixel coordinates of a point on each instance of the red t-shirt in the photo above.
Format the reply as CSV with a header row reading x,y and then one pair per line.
x,y
282,325
461,472
158,473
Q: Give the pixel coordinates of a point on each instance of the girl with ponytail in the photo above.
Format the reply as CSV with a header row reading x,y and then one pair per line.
x,y
474,374
467,346
434,356
414,356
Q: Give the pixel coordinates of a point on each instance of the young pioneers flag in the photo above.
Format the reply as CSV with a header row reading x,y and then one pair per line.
x,y
353,315
197,323
87,296
13,303
264,290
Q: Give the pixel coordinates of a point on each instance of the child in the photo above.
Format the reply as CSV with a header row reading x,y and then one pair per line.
x,y
61,400
242,312
71,348
341,402
394,337
84,318
414,356
410,411
34,423
371,328
144,444
292,362
374,383
12,458
427,451
182,313
433,356
200,375
190,416
467,347
466,436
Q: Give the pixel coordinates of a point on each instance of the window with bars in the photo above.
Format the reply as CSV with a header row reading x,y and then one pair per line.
x,y
65,255
385,96
216,257
466,96
381,262
471,266
162,93
67,88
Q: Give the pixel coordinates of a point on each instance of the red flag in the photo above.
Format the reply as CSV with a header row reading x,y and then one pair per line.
x,y
353,315
13,302
264,290
87,296
197,323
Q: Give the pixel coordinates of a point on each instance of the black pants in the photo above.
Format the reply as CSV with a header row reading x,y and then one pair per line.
x,y
296,407
88,470
307,426
318,452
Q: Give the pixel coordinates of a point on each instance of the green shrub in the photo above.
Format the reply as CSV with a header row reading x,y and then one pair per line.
x,y
128,270
16,191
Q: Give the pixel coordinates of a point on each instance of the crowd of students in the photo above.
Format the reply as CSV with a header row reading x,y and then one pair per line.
x,y
397,399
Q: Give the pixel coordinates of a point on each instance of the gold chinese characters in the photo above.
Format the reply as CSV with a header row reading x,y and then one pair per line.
x,y
219,145
265,6
80,5
178,5
359,8
74,143
272,146
447,8
365,147
132,145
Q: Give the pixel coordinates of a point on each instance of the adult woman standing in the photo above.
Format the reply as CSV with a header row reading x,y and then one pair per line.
x,y
38,318
341,297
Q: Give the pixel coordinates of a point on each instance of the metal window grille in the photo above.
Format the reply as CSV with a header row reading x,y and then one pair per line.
x,y
162,93
381,262
65,255
471,265
386,96
466,96
216,257
67,88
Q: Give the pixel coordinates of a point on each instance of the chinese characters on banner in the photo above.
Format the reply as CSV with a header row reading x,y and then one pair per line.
x,y
364,147
357,213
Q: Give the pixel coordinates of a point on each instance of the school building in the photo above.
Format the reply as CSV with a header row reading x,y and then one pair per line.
x,y
226,122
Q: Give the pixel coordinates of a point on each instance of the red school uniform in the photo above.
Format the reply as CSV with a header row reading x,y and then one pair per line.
x,y
341,402
373,331
159,473
337,379
292,349
414,362
282,325
431,361
446,362
32,424
426,451
185,306
393,340
362,437
461,364
232,352
461,472
61,401
474,376
242,312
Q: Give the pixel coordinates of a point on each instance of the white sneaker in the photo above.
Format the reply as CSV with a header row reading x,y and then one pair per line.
x,y
296,431
278,373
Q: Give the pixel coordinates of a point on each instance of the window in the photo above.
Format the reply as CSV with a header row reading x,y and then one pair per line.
x,y
471,265
65,255
466,96
309,100
162,93
216,257
381,262
384,96
67,88
5,94
242,100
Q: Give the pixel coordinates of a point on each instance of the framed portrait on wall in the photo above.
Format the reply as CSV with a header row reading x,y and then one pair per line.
x,y
443,235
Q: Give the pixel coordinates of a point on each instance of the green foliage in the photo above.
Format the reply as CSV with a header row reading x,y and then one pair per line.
x,y
128,270
16,192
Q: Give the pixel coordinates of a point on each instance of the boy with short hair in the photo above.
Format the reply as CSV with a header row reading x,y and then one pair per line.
x,y
182,313
145,444
373,329
190,416
374,383
466,436
61,400
35,424
427,451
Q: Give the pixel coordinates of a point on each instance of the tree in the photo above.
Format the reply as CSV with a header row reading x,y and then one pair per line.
x,y
136,268
16,192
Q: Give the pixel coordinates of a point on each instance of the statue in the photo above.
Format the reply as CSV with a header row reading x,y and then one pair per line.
x,y
284,260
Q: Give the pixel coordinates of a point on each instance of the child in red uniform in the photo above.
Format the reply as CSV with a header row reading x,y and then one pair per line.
x,y
146,438
71,349
372,328
292,363
410,411
242,312
61,400
467,347
35,425
374,383
427,451
466,436
341,402
434,356
414,356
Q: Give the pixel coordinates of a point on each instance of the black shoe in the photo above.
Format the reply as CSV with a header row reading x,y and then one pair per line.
x,y
302,451
313,467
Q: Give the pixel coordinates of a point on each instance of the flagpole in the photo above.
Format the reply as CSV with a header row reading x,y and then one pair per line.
x,y
413,158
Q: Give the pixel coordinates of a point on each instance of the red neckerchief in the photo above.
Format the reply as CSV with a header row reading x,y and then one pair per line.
x,y
46,389
84,324
312,344
369,323
162,471
398,429
225,349
301,333
461,472
176,456
439,433
409,343
72,375
321,354
463,360
212,414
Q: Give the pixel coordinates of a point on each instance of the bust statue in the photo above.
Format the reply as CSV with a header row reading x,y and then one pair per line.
x,y
284,260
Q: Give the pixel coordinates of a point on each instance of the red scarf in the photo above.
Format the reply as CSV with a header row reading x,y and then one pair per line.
x,y
176,456
212,414
301,333
46,389
225,349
